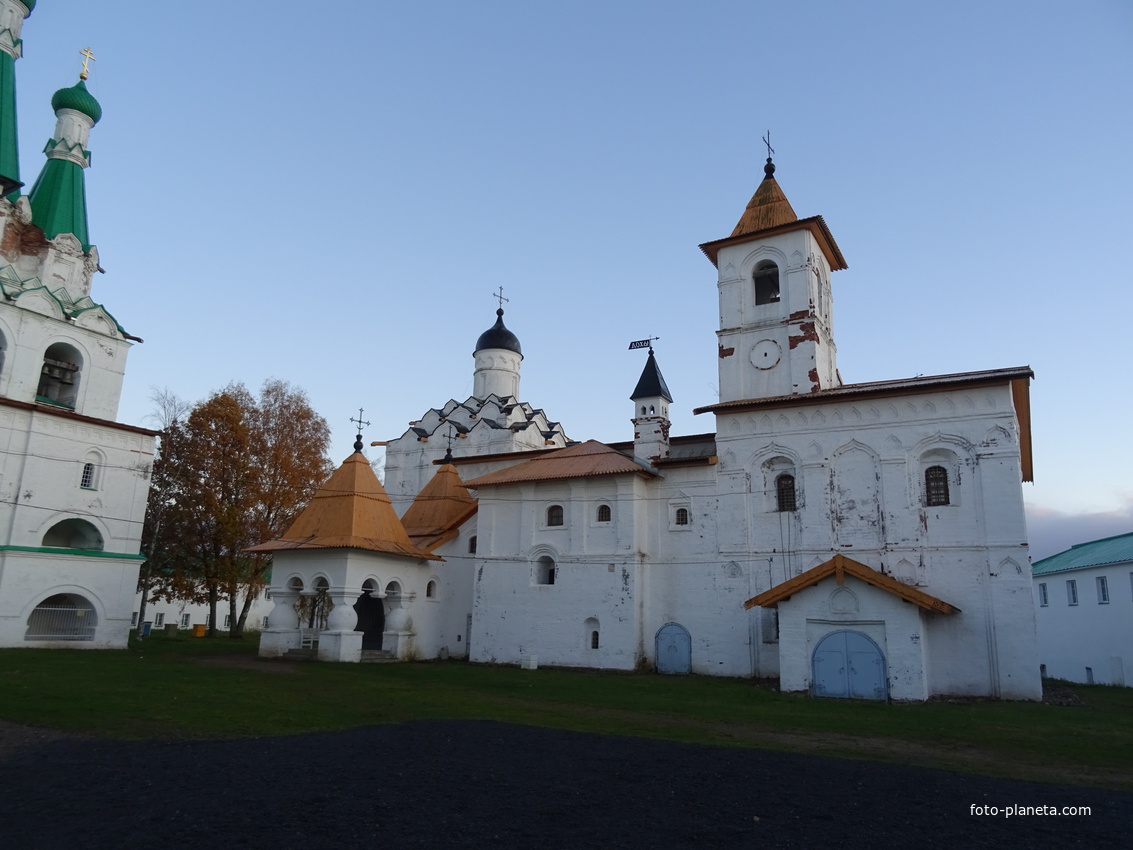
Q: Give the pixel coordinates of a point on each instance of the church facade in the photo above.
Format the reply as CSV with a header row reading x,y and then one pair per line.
x,y
852,540
73,480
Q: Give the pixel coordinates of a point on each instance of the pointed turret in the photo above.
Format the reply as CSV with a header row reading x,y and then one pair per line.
x,y
439,510
651,399
350,511
58,198
776,336
12,14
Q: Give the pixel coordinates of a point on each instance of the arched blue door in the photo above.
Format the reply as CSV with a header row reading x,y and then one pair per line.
x,y
674,649
848,665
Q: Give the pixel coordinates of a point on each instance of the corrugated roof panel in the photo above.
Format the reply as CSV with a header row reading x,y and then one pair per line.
x,y
1108,550
580,461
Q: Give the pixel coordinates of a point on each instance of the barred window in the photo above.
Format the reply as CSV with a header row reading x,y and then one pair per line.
x,y
555,515
604,513
682,517
87,479
785,492
936,486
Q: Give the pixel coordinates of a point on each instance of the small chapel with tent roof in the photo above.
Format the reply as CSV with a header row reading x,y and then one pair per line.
x,y
852,540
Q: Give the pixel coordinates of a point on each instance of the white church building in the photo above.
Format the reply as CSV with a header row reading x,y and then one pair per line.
x,y
73,480
852,540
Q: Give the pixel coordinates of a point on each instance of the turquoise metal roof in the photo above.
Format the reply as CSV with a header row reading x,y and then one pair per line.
x,y
1108,550
59,200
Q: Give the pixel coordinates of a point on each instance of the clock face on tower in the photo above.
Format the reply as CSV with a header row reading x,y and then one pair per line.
x,y
765,354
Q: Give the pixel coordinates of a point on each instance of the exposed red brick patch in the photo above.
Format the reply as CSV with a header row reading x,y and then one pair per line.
x,y
806,333
726,352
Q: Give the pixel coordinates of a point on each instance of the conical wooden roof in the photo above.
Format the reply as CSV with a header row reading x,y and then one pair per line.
x,y
767,208
439,510
350,511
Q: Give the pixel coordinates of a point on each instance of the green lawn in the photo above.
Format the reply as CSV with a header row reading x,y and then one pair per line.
x,y
184,687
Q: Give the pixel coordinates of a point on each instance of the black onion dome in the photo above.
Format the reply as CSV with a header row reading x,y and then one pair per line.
x,y
498,336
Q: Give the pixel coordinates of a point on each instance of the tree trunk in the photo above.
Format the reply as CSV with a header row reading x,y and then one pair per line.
x,y
145,600
212,608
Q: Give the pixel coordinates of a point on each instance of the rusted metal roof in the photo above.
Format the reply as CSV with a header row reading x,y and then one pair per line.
x,y
583,460
840,566
439,510
350,511
901,386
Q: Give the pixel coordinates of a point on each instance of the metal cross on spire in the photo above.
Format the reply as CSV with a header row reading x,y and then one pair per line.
x,y
359,422
499,296
767,141
87,57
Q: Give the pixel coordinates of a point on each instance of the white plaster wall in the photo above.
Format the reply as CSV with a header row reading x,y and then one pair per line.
x,y
1092,633
29,578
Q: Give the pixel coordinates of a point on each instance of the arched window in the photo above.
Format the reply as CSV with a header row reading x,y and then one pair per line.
x,y
64,616
604,513
73,534
431,590
59,377
785,492
590,631
936,486
594,640
766,279
472,545
545,570
295,584
555,515
681,517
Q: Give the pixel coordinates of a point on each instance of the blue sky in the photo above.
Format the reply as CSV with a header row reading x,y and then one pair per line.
x,y
331,199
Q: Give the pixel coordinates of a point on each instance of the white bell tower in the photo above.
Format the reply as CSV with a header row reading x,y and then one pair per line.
x,y
775,331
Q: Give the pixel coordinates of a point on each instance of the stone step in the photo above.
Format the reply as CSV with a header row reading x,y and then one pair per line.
x,y
302,655
378,656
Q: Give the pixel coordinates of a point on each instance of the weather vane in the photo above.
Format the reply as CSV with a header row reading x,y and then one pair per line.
x,y
499,296
643,343
87,57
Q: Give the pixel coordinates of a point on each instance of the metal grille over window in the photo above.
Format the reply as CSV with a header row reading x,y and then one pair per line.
x,y
62,617
603,513
88,476
555,515
785,492
936,486
682,516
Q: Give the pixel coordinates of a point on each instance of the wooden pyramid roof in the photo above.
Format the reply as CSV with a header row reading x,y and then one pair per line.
x,y
439,510
350,511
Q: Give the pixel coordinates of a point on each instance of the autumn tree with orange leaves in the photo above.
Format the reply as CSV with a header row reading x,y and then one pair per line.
x,y
233,474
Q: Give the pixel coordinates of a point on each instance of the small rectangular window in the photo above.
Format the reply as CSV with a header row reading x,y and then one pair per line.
x,y
227,621
1043,600
134,619
1103,590
1072,592
158,621
264,624
186,620
88,476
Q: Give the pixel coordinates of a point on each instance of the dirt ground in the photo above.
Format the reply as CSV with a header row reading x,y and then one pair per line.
x,y
491,785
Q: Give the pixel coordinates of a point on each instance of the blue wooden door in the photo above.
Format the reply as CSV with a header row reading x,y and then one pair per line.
x,y
848,665
674,649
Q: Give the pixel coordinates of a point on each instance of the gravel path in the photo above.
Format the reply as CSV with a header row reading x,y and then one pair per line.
x,y
491,785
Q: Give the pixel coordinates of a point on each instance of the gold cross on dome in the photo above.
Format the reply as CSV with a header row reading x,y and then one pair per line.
x,y
87,57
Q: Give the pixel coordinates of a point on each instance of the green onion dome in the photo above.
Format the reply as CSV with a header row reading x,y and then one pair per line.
x,y
30,4
78,98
